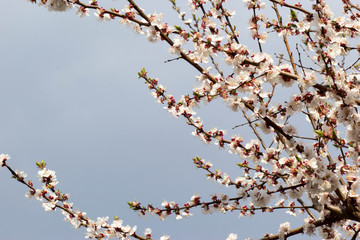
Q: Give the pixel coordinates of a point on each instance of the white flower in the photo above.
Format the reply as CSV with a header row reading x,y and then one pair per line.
x,y
82,12
260,56
309,80
102,221
295,193
264,127
3,158
48,176
225,180
165,203
303,25
147,232
21,174
312,163
181,15
200,55
183,214
129,230
46,173
334,50
188,21
260,197
37,194
58,5
49,206
283,230
232,236
101,16
309,227
116,223
289,129
163,215
151,34
263,37
175,48
273,73
156,19
165,237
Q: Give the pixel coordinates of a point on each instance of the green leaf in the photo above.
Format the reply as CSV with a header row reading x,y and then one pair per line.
x,y
319,133
41,164
244,165
293,15
334,136
142,73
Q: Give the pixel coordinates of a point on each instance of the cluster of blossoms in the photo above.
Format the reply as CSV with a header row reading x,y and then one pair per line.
x,y
53,199
315,173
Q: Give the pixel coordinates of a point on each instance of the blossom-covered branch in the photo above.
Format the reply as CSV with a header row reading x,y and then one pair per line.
x,y
304,114
52,199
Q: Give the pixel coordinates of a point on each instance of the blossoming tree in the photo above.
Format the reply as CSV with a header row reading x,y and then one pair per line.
x,y
302,108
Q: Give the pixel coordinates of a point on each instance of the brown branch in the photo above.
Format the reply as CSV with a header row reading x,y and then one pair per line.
x,y
353,5
111,13
285,39
85,221
257,30
229,24
170,42
283,3
254,129
306,209
298,230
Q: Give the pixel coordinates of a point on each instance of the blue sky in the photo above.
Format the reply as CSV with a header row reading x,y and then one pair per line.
x,y
71,96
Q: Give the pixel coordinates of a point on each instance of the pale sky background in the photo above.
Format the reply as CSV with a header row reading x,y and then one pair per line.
x,y
70,95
